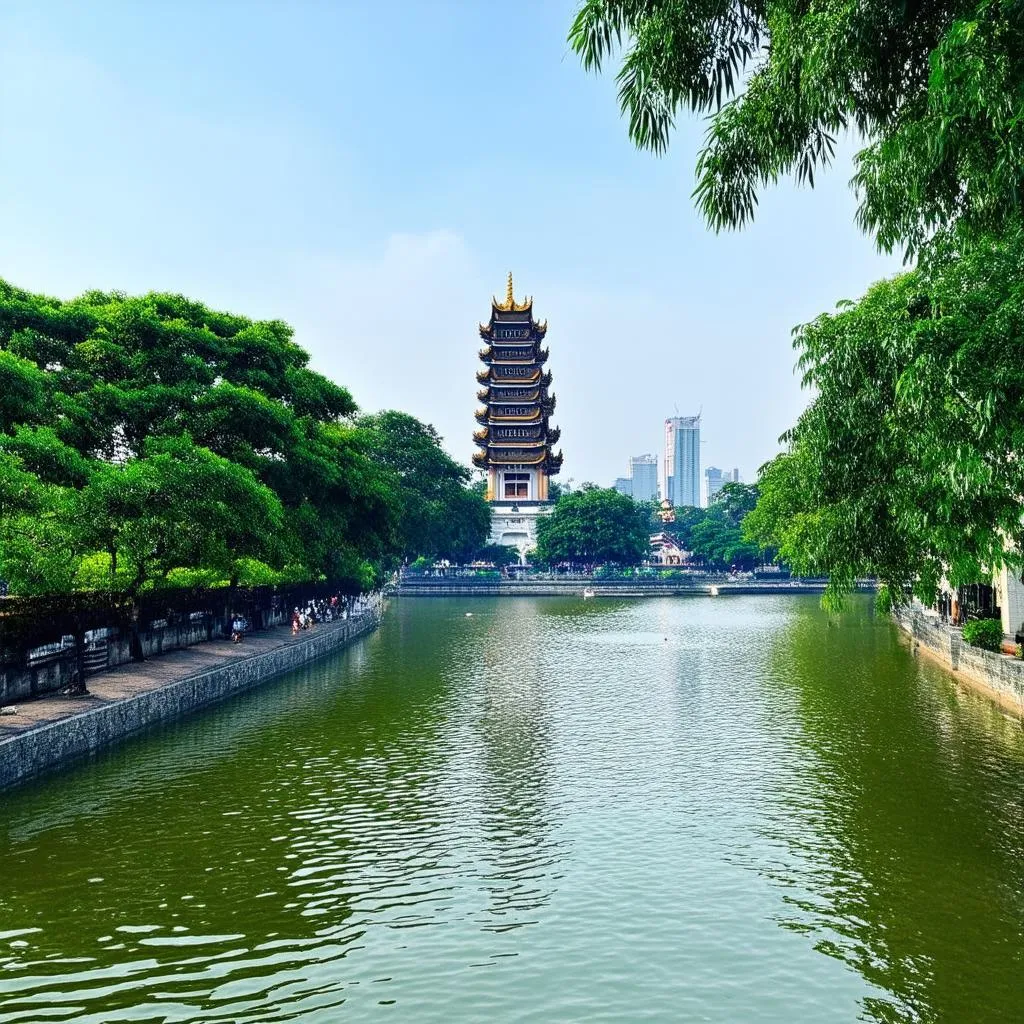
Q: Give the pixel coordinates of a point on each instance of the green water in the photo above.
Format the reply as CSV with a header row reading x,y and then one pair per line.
x,y
700,809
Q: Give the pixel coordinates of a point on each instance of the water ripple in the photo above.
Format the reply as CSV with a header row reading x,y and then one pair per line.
x,y
717,810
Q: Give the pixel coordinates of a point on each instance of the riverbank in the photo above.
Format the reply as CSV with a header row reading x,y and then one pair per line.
x,y
51,732
469,586
998,676
417,586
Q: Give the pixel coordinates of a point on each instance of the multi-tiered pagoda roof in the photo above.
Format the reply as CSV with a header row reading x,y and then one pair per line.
x,y
514,428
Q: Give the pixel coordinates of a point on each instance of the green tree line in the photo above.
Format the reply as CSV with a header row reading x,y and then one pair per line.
x,y
149,441
600,526
907,464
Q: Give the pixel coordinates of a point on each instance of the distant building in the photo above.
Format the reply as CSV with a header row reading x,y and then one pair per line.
x,y
643,474
715,479
624,485
681,467
516,439
665,550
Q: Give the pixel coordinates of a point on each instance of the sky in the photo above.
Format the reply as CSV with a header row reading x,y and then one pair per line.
x,y
370,173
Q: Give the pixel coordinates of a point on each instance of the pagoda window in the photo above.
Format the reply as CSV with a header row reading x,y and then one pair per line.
x,y
517,485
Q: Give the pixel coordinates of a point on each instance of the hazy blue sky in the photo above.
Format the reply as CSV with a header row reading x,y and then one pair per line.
x,y
369,172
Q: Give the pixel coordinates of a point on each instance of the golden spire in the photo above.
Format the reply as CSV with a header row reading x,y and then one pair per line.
x,y
510,304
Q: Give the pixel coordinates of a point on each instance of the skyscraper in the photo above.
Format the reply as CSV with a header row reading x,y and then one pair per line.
x,y
715,479
643,472
682,460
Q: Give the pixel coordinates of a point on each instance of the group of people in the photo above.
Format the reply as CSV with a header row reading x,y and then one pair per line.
x,y
324,610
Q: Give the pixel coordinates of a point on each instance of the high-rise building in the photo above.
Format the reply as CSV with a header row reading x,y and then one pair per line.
x,y
624,485
515,438
681,467
715,479
643,475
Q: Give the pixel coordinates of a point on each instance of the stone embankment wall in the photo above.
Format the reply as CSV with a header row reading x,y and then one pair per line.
x,y
57,743
998,675
53,672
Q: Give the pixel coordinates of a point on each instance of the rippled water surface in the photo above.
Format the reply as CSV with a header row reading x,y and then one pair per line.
x,y
702,809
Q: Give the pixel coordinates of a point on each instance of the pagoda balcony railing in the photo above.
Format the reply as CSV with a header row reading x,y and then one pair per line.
x,y
500,360
500,435
496,419
533,378
499,397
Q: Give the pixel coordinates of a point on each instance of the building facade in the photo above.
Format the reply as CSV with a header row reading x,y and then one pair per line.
x,y
515,437
715,479
643,475
624,485
681,466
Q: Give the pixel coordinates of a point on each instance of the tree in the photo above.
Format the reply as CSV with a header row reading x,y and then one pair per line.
x,y
500,554
97,381
905,465
935,88
594,525
736,500
441,515
718,541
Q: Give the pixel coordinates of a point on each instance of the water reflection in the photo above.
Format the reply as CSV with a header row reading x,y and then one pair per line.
x,y
550,810
903,821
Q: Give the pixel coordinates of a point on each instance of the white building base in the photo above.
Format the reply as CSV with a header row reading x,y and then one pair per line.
x,y
514,524
1010,595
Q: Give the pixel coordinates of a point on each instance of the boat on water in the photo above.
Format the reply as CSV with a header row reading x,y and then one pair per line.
x,y
713,591
588,593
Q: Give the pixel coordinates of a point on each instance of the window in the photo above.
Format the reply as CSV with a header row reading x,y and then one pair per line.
x,y
517,485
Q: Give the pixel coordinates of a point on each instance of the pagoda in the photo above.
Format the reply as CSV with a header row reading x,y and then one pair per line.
x,y
515,439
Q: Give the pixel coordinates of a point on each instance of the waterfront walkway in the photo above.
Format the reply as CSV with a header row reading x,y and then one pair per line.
x,y
52,729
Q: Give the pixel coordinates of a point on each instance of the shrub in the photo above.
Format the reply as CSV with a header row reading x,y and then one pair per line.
x,y
984,633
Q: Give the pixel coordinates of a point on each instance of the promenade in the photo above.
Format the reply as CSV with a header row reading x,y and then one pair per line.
x,y
46,732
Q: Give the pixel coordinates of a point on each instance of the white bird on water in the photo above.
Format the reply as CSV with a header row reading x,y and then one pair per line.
x,y
469,615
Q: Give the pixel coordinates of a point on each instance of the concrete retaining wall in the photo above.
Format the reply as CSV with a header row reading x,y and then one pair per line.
x,y
55,672
56,744
998,675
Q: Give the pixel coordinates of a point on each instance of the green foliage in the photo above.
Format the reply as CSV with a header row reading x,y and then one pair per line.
x,y
151,439
899,467
935,89
984,633
594,525
441,515
501,555
718,540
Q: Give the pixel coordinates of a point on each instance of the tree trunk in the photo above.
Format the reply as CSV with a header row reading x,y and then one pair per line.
x,y
77,687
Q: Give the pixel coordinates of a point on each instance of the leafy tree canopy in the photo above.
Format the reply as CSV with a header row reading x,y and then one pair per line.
x,y
143,438
935,87
905,465
594,526
441,515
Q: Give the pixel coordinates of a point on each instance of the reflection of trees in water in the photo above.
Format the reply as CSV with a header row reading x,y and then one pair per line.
x,y
906,830
512,730
259,825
